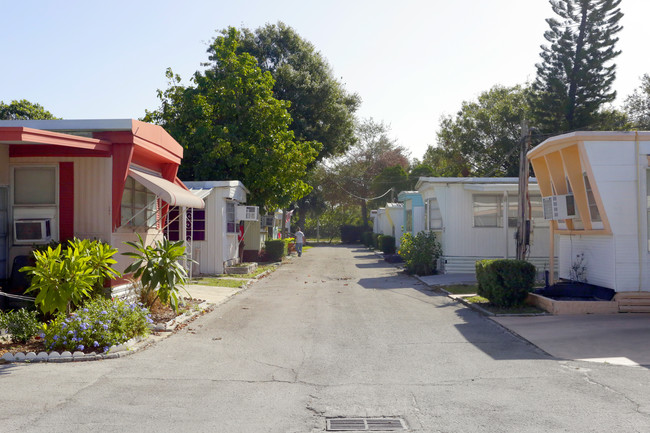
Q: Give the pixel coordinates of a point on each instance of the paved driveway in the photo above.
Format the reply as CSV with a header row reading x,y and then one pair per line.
x,y
336,333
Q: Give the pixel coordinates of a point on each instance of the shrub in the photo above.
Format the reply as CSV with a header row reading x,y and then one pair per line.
x,y
351,234
387,244
375,241
65,274
276,249
21,324
99,324
420,253
158,268
505,282
61,278
367,238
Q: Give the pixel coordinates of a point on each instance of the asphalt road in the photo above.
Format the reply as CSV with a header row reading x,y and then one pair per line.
x,y
335,333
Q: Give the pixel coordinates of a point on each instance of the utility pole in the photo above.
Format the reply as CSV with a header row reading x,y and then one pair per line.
x,y
523,215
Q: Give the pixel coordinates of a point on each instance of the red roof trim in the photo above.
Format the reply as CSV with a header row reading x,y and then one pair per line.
x,y
30,136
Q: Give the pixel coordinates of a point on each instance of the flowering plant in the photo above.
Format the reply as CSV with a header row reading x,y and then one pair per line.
x,y
99,324
420,252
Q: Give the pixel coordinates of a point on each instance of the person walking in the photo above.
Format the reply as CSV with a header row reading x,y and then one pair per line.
x,y
300,238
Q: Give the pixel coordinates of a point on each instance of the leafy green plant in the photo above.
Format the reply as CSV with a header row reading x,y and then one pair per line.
x,y
420,253
21,324
61,278
276,249
99,324
387,244
100,259
158,269
505,282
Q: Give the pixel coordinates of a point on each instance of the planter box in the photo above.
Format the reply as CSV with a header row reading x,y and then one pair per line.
x,y
572,307
245,268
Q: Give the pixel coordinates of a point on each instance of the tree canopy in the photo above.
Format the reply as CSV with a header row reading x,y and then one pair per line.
x,y
321,109
233,128
637,105
575,76
23,110
482,139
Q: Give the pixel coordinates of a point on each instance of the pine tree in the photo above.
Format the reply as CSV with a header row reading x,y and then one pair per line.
x,y
576,74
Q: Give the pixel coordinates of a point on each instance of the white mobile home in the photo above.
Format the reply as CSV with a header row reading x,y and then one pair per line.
x,y
390,220
413,211
213,233
606,176
476,218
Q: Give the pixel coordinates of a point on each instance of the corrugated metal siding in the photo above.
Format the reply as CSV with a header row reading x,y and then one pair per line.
x,y
467,264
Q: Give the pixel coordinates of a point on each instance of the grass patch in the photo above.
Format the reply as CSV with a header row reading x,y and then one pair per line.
x,y
221,282
485,304
461,289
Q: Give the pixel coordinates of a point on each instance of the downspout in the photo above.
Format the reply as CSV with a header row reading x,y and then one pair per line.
x,y
504,211
638,206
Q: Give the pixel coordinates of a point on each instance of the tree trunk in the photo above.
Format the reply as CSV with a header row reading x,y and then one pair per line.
x,y
364,214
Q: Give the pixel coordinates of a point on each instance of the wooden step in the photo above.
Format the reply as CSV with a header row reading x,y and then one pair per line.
x,y
634,308
634,301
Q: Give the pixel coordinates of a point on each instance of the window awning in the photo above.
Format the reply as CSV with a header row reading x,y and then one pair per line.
x,y
167,191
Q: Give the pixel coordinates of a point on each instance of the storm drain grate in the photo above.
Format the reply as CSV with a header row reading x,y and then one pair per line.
x,y
365,424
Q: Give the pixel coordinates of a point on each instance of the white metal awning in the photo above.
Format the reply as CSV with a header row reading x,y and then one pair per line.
x,y
168,192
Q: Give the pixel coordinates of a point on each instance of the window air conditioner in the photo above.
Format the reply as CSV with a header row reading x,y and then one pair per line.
x,y
33,231
247,213
267,220
559,207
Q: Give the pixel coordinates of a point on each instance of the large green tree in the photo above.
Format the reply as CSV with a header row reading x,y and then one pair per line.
x,y
482,139
22,110
350,177
637,105
233,128
321,109
575,76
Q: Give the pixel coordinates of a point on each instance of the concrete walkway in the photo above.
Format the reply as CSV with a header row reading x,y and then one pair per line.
x,y
212,294
620,339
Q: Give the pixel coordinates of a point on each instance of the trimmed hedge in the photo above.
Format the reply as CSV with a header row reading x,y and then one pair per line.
x,y
505,282
387,244
351,234
375,241
276,249
366,239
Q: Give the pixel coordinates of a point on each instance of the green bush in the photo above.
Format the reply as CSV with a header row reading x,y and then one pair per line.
x,y
420,253
367,238
375,241
159,270
276,249
99,324
505,282
387,244
66,274
351,234
21,324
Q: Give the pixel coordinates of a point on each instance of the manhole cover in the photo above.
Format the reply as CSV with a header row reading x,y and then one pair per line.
x,y
365,424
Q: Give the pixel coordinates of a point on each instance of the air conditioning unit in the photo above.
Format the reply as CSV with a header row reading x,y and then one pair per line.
x,y
32,231
559,207
247,213
267,220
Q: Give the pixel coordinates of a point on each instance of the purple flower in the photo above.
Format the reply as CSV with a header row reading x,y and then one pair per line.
x,y
80,347
95,344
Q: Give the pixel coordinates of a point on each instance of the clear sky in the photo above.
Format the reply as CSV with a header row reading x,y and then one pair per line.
x,y
410,61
